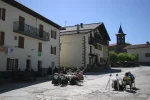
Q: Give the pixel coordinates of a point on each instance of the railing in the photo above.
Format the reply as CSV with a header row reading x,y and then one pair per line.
x,y
30,31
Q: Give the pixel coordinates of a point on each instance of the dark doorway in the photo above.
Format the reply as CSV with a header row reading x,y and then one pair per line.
x,y
40,67
16,64
28,63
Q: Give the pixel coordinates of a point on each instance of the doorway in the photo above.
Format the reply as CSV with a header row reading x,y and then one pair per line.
x,y
39,66
28,64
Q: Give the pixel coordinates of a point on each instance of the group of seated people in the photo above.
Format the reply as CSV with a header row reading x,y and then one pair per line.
x,y
129,79
120,84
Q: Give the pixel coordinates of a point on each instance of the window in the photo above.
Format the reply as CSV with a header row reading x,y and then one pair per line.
x,y
100,47
53,50
40,47
2,38
53,34
2,13
21,42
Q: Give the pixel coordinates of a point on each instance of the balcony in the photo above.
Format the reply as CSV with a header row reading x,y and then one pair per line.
x,y
30,31
92,54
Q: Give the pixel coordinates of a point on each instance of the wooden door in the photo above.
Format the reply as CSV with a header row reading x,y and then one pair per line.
x,y
16,64
39,66
21,23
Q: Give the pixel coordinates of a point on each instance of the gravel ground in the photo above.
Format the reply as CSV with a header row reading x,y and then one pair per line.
x,y
93,88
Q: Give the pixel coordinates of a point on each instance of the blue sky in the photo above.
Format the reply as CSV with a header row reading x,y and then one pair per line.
x,y
134,15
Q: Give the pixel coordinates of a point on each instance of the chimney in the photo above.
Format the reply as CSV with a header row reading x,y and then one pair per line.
x,y
147,42
81,24
78,28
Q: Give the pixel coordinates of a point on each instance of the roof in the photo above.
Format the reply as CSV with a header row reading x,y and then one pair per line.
x,y
31,12
120,30
74,32
113,44
85,27
138,46
69,30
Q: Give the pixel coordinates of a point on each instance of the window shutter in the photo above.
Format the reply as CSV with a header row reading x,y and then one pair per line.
x,y
3,14
55,34
40,47
0,13
51,50
21,42
2,38
51,33
55,50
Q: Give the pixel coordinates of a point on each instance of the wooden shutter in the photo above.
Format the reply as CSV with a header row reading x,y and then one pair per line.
x,y
55,50
21,42
8,62
51,33
2,38
40,47
55,34
3,14
51,50
0,13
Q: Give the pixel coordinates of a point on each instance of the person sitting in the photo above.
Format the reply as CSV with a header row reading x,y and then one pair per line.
x,y
127,80
132,78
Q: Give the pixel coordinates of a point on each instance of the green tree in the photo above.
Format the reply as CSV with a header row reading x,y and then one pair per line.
x,y
113,56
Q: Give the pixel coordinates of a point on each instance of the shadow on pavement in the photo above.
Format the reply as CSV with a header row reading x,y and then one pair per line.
x,y
131,91
16,85
106,71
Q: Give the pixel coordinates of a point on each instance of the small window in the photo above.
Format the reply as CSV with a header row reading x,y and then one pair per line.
x,y
147,55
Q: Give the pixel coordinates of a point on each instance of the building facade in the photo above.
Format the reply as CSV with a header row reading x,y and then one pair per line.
x,y
120,43
143,51
27,39
83,45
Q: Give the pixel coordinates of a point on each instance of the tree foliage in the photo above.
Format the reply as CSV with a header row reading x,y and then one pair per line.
x,y
121,57
113,56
